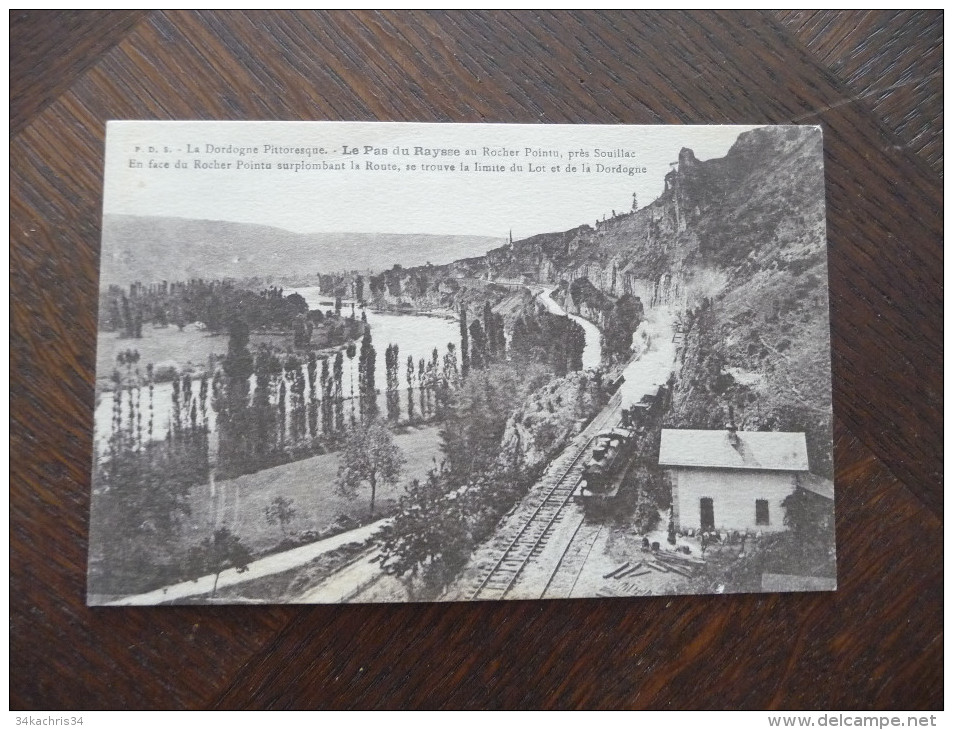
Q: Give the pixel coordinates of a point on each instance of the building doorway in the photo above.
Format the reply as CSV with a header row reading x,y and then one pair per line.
x,y
707,513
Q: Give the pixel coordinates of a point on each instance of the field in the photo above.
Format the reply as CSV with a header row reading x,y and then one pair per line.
x,y
187,351
160,346
240,503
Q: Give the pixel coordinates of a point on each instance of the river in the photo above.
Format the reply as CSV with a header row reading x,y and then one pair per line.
x,y
414,334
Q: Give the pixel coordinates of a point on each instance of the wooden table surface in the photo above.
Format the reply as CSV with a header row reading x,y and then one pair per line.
x,y
872,79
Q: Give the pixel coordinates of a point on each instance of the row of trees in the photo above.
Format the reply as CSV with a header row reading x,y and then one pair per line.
x,y
272,407
214,303
481,343
297,407
143,483
544,337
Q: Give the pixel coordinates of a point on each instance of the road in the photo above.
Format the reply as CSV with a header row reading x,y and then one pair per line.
x,y
592,353
277,563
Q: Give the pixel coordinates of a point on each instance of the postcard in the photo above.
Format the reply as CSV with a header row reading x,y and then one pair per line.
x,y
385,362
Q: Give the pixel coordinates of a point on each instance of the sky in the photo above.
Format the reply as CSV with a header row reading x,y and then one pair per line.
x,y
142,177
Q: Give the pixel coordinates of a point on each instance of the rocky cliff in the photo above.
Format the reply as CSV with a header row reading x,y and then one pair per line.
x,y
737,246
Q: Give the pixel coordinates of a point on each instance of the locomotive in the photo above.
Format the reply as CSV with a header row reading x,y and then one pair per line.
x,y
603,470
613,451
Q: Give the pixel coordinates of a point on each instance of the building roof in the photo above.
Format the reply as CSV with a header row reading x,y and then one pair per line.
x,y
768,450
817,485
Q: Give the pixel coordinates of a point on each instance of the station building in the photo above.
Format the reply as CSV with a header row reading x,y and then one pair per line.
x,y
732,480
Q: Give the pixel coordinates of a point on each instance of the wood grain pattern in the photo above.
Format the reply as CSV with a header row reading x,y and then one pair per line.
x,y
876,643
893,61
53,48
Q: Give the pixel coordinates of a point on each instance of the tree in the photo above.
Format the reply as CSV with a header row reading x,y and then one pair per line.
x,y
464,342
365,377
391,359
280,512
339,391
369,456
410,388
622,320
312,394
327,398
217,553
429,536
450,372
488,329
351,352
478,353
232,406
423,386
302,328
297,303
499,335
477,415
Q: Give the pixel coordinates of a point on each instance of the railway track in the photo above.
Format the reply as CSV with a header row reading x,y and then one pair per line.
x,y
531,537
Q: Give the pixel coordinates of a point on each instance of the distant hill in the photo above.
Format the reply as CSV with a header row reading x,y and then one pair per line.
x,y
150,249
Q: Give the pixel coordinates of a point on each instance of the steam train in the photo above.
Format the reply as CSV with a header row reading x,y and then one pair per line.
x,y
603,471
613,451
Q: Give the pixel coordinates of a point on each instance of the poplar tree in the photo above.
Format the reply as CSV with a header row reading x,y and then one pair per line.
x,y
366,365
339,391
488,328
478,354
464,342
351,352
232,406
410,387
312,394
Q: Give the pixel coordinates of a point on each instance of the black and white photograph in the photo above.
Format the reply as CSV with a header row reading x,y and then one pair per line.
x,y
388,362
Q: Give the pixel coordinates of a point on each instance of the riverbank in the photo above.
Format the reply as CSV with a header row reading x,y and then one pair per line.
x,y
411,312
190,351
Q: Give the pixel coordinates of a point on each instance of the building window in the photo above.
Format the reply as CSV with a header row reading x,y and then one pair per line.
x,y
761,516
707,513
